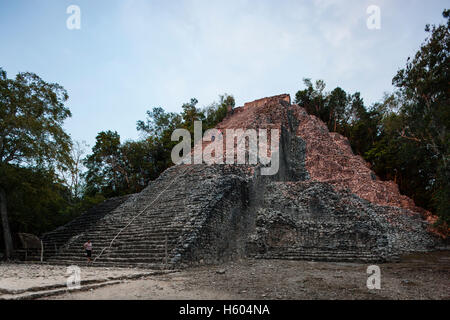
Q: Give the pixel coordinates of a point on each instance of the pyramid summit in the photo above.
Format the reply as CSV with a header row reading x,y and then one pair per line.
x,y
324,203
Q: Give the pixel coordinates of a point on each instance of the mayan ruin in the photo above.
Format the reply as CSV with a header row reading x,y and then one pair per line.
x,y
325,204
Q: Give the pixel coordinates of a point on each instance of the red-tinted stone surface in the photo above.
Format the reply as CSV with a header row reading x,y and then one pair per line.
x,y
329,157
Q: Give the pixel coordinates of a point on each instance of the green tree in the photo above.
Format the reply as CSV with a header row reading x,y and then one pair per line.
x,y
32,113
158,122
402,160
37,200
139,163
313,99
190,114
424,86
71,174
217,111
115,168
336,105
106,173
157,130
363,126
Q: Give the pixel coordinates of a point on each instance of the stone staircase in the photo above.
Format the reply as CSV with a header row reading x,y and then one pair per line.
x,y
55,240
151,229
127,231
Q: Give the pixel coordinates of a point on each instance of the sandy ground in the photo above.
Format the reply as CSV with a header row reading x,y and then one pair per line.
x,y
422,276
23,277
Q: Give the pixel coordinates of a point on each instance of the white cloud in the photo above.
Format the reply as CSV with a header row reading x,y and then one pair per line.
x,y
203,48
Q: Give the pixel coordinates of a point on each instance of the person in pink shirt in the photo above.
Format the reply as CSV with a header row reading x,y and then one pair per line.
x,y
88,247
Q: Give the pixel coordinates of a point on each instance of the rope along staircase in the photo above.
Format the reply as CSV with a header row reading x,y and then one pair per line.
x,y
141,230
139,214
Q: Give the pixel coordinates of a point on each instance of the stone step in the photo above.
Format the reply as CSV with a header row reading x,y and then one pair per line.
x,y
322,258
318,253
106,225
129,235
133,234
130,243
114,254
132,260
57,291
155,266
326,256
147,252
116,262
106,242
145,244
84,263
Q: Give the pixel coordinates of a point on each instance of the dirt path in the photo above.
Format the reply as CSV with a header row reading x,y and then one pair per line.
x,y
423,276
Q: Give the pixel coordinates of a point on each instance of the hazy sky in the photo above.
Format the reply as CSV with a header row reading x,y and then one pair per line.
x,y
132,55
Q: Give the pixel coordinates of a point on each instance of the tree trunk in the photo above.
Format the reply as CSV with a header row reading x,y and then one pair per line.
x,y
6,231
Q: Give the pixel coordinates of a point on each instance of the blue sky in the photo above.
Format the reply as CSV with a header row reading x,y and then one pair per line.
x,y
132,55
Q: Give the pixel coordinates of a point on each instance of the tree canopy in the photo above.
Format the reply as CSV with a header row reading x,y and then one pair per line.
x,y
115,168
32,113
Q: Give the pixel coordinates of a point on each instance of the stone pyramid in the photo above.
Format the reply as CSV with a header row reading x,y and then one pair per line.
x,y
323,204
